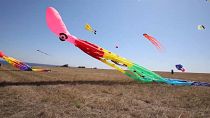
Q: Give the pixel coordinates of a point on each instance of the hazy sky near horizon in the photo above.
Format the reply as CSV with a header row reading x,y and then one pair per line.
x,y
23,30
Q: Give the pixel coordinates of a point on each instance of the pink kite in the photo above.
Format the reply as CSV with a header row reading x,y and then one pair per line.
x,y
154,42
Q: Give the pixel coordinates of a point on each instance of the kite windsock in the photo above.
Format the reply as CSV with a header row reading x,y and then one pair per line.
x,y
132,70
154,41
18,64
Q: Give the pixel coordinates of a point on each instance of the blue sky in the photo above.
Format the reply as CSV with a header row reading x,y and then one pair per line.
x,y
118,22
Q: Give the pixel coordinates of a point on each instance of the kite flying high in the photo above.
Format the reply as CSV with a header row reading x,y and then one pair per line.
x,y
89,28
42,52
180,67
201,27
154,41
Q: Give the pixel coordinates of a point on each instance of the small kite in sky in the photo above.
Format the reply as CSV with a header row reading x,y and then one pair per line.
x,y
42,52
154,41
180,67
89,28
201,27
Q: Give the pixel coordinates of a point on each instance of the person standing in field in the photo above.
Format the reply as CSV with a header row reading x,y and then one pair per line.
x,y
172,71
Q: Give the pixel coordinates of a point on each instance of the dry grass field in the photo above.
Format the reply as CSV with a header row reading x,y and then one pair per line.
x,y
98,93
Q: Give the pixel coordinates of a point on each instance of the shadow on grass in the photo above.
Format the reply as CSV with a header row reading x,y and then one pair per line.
x,y
60,82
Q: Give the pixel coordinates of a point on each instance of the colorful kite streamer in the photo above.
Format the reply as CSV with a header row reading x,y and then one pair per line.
x,y
20,65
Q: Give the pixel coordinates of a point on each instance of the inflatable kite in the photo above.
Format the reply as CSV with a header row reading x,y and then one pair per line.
x,y
20,65
134,71
180,67
154,41
89,28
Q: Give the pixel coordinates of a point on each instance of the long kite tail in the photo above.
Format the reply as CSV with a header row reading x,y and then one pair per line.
x,y
140,73
132,70
41,70
185,82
